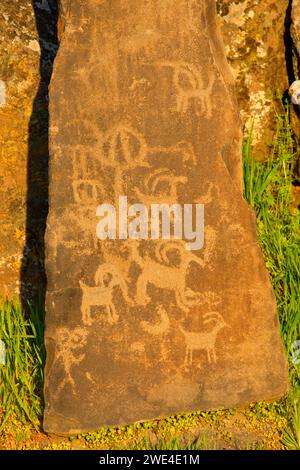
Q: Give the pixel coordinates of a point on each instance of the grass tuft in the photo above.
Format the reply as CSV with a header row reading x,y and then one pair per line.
x,y
21,378
268,188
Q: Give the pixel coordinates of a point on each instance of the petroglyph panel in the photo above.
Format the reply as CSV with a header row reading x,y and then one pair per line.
x,y
139,328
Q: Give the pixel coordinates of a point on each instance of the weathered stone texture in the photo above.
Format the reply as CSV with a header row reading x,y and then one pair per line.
x,y
295,33
19,74
253,32
142,105
26,55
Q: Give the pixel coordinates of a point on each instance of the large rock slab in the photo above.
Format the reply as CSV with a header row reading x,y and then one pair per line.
x,y
142,105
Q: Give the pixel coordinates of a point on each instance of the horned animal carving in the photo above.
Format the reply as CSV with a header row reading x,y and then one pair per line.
x,y
107,278
161,187
205,340
159,273
190,84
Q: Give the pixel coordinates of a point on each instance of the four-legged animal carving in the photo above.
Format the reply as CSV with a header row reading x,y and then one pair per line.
x,y
190,84
205,340
161,187
160,275
107,278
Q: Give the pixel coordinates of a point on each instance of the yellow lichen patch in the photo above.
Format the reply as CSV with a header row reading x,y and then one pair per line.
x,y
19,71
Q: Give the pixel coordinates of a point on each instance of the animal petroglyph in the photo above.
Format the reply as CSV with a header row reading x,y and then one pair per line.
x,y
123,145
159,273
107,278
161,187
159,328
125,148
190,84
68,345
212,193
184,150
205,340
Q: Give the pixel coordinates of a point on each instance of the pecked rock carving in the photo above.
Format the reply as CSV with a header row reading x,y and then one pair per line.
x,y
142,110
204,340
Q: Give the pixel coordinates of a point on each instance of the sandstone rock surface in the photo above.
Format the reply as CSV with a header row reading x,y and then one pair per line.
x,y
139,329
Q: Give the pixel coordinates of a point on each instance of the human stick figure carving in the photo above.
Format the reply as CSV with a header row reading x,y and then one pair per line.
x,y
68,345
107,278
205,340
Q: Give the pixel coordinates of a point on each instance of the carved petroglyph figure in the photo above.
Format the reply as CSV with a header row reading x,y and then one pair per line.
x,y
125,148
205,340
160,187
159,273
107,278
85,191
183,149
190,85
123,144
159,328
68,346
